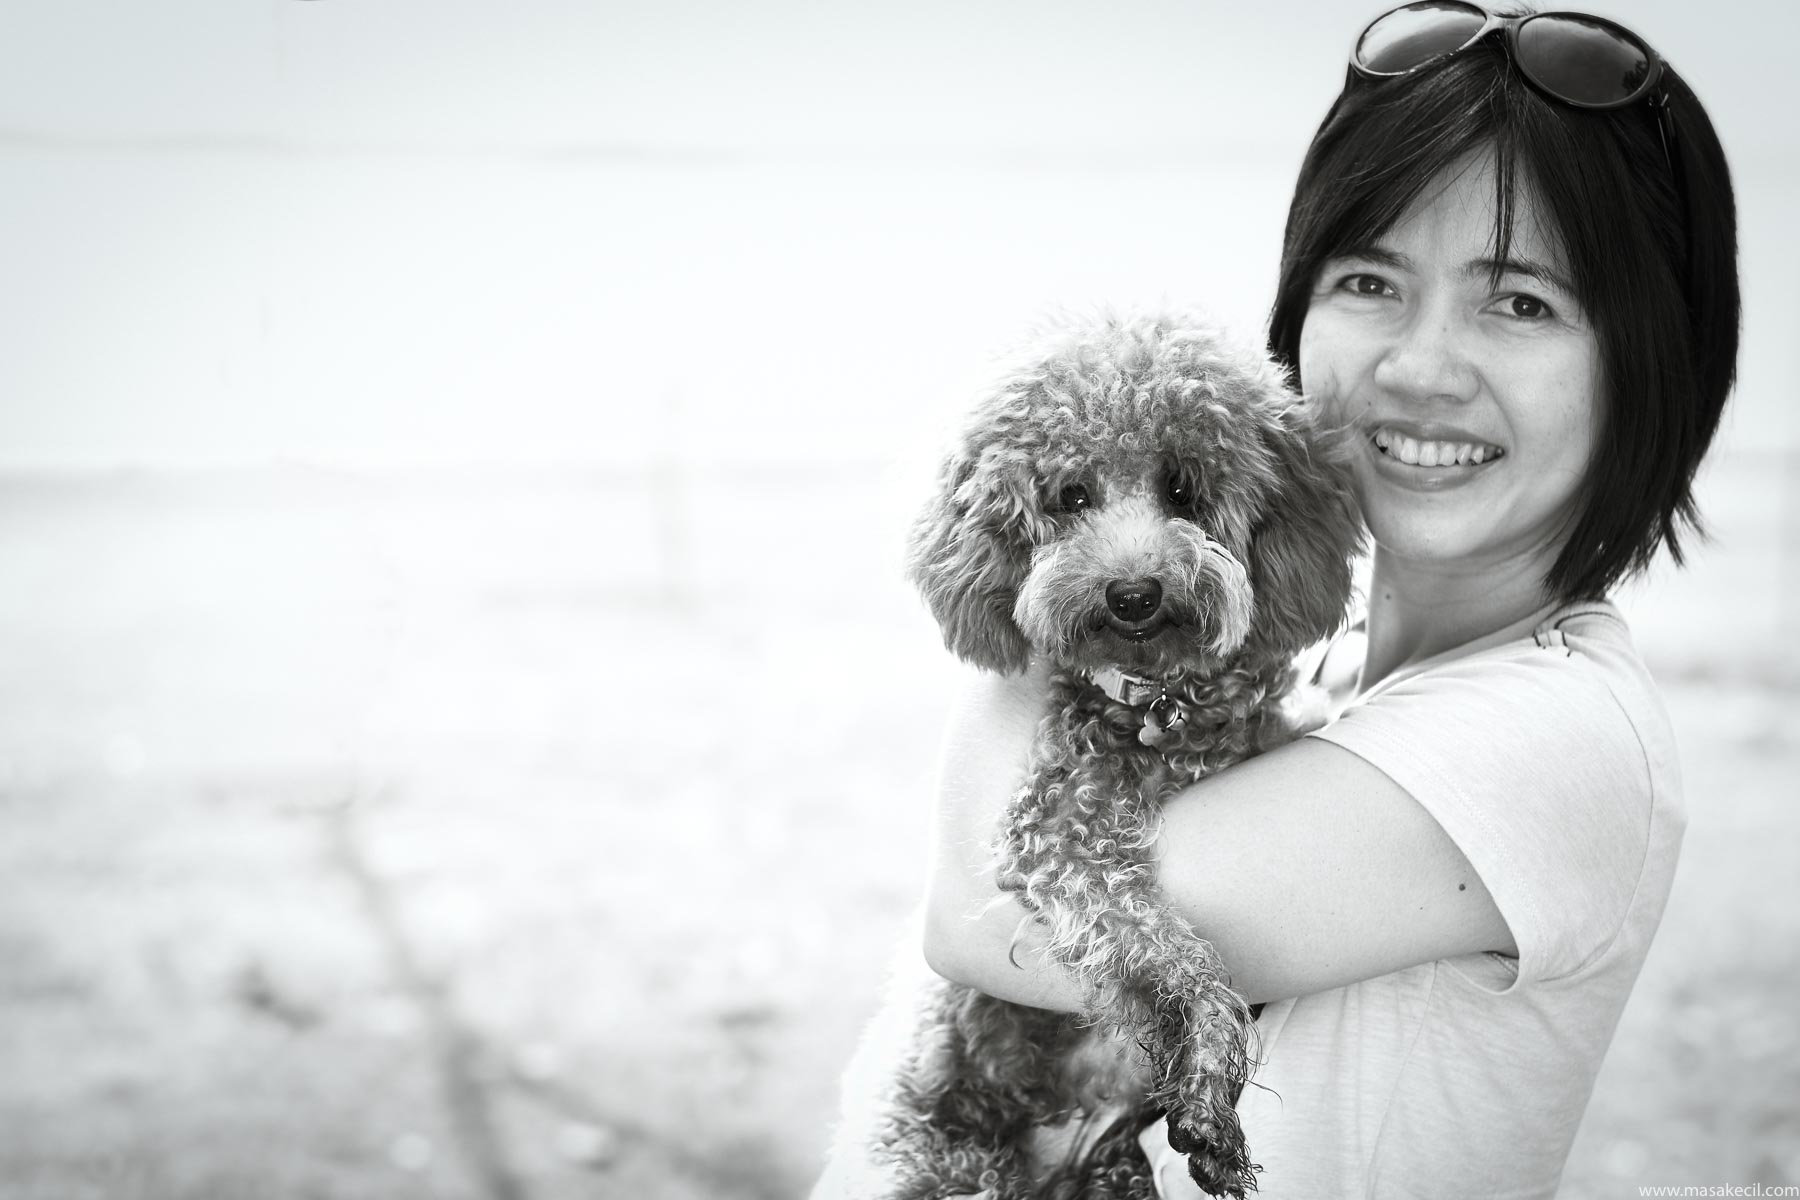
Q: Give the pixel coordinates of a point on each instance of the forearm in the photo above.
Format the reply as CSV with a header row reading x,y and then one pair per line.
x,y
975,934
984,938
1307,868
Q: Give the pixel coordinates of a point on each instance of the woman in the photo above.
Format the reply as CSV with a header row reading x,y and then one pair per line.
x,y
1510,263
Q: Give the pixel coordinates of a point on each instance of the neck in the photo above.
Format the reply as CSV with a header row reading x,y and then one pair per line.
x,y
1418,611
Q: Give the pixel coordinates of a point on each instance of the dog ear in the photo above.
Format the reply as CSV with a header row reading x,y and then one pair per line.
x,y
970,552
1300,556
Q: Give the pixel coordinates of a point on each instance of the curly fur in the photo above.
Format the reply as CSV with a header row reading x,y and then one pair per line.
x,y
1202,473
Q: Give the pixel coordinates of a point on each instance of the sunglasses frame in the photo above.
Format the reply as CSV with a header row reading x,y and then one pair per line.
x,y
1658,98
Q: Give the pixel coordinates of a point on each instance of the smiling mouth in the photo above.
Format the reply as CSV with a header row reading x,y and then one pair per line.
x,y
1415,453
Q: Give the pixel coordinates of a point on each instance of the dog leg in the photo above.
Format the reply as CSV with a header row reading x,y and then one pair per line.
x,y
1078,859
1199,1035
982,1074
1212,1062
1114,1167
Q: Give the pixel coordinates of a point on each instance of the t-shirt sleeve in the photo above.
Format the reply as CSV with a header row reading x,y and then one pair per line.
x,y
1537,774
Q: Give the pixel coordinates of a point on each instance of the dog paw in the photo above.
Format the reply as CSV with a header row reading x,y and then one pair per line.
x,y
1216,1160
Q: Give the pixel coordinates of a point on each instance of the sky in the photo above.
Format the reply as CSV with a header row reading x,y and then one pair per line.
x,y
430,230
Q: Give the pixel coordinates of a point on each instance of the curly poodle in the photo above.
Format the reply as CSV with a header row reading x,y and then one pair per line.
x,y
1152,510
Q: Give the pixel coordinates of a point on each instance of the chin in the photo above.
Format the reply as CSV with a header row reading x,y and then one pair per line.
x,y
1462,542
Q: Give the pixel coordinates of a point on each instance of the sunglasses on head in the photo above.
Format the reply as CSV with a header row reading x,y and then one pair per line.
x,y
1576,59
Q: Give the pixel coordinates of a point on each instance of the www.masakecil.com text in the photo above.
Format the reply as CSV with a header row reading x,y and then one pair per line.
x,y
1723,1189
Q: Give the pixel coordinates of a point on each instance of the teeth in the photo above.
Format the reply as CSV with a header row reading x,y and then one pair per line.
x,y
1433,454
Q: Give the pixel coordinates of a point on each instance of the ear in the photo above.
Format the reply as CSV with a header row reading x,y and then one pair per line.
x,y
1300,556
970,552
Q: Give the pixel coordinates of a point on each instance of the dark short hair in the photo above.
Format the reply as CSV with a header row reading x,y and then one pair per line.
x,y
1652,259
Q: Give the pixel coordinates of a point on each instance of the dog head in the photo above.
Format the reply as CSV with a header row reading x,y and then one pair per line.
x,y
1138,493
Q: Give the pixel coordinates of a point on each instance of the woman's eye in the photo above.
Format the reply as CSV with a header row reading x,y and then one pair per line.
x,y
1073,498
1522,306
1528,308
1365,285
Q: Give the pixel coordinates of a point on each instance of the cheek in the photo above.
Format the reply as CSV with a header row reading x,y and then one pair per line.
x,y
1593,408
1326,360
1569,429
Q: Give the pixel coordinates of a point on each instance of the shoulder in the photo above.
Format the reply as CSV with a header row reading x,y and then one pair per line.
x,y
1573,699
1596,647
1548,761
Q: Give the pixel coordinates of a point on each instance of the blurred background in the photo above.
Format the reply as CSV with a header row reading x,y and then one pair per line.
x,y
463,729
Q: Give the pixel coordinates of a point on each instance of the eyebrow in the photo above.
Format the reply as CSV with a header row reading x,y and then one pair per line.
x,y
1511,265
1522,266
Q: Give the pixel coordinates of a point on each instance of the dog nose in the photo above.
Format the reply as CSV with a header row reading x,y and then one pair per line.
x,y
1133,599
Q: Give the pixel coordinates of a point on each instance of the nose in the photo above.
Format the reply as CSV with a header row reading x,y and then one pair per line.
x,y
1429,359
1133,599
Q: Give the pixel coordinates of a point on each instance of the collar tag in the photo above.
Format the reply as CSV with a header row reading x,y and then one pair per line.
x,y
1164,720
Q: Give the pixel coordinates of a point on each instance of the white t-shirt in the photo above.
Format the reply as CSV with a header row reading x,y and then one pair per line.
x,y
1550,762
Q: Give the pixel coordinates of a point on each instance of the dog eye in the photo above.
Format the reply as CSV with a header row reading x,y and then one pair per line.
x,y
1180,489
1073,498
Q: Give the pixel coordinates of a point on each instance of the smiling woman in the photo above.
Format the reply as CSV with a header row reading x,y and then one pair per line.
x,y
1478,400
1510,270
1617,219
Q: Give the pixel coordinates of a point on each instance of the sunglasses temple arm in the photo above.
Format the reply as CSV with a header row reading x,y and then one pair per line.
x,y
1665,130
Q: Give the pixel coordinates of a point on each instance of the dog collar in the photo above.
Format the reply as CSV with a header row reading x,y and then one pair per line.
x,y
1166,717
1134,690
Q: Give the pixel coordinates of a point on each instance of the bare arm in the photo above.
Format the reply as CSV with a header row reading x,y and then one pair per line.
x,y
970,925
1306,868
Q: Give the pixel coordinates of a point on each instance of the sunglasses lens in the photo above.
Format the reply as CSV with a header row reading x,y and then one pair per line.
x,y
1415,34
1582,61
